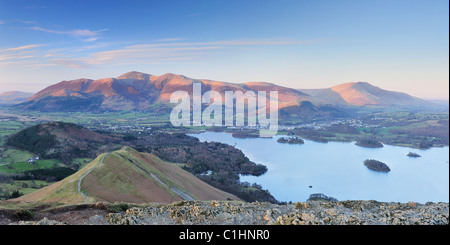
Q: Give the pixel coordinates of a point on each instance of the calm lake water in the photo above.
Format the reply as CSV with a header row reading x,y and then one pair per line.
x,y
336,169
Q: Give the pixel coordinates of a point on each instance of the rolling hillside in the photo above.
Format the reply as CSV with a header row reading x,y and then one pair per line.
x,y
62,141
128,176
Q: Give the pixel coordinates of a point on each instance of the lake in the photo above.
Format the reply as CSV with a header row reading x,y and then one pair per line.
x,y
336,169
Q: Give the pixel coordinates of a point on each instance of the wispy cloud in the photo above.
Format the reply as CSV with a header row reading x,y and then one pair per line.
x,y
30,56
15,57
21,48
140,55
9,56
169,51
158,52
72,63
83,34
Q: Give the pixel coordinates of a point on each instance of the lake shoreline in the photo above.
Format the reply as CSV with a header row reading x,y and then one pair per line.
x,y
350,181
326,140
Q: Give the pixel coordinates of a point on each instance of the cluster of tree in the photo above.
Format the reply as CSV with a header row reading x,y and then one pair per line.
x,y
421,142
321,197
242,190
413,154
47,174
311,134
290,140
424,137
371,143
73,141
31,140
7,195
377,165
8,179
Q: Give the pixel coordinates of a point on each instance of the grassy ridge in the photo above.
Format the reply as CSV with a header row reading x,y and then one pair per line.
x,y
127,175
133,165
64,191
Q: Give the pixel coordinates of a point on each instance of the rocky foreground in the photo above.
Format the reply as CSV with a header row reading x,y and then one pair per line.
x,y
240,213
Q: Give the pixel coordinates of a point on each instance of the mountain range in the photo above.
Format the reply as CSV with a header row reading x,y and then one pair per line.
x,y
141,91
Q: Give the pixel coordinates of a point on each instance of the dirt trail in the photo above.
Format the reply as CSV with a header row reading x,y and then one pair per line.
x,y
85,174
175,190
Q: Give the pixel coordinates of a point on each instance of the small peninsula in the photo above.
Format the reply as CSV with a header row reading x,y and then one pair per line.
x,y
376,165
245,135
371,143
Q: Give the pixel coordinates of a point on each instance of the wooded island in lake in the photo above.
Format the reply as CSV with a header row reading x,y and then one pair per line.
x,y
377,165
291,140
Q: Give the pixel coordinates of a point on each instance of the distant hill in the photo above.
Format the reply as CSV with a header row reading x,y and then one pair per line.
x,y
14,97
61,140
128,176
364,94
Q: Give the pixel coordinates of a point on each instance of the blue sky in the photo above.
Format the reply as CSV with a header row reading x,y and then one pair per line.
x,y
400,45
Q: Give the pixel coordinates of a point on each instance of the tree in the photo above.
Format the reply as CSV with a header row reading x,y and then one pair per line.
x,y
16,194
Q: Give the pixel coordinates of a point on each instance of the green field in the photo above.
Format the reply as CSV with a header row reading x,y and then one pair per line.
x,y
23,186
10,156
25,166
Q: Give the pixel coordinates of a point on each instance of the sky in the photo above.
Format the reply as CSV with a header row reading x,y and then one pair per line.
x,y
399,45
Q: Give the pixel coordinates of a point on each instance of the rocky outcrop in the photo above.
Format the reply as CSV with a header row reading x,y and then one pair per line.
x,y
44,221
241,213
302,213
